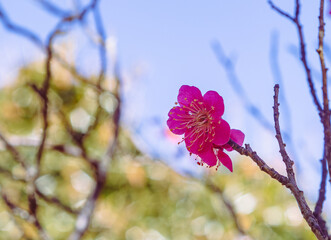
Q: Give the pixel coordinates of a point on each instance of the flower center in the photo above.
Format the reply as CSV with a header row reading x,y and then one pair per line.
x,y
202,118
199,123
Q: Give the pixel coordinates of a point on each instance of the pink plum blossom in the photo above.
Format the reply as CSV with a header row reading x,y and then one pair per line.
x,y
199,118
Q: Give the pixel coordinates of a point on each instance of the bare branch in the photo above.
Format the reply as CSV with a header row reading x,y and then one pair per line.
x,y
44,98
321,195
78,139
326,111
288,162
99,167
43,93
79,17
289,181
302,44
305,210
57,202
247,151
16,211
16,155
46,82
25,215
31,36
325,119
280,11
20,30
304,59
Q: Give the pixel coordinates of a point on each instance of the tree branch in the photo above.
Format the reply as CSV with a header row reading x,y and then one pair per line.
x,y
321,195
288,181
25,215
302,44
247,151
57,202
288,162
16,155
280,11
298,194
326,111
325,119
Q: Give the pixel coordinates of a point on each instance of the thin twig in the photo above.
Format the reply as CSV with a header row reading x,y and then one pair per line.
x,y
323,113
325,119
16,155
305,210
321,195
288,162
326,111
247,151
19,30
302,44
100,167
44,98
57,202
289,181
304,58
78,139
46,82
280,11
43,92
31,36
25,215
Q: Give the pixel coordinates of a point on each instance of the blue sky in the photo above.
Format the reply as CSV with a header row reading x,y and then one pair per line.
x,y
165,44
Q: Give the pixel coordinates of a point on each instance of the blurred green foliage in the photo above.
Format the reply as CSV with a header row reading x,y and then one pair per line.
x,y
143,198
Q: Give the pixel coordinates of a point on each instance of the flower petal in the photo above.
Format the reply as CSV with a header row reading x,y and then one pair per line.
x,y
187,94
196,144
208,157
212,100
237,136
225,160
175,122
175,127
178,112
222,133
